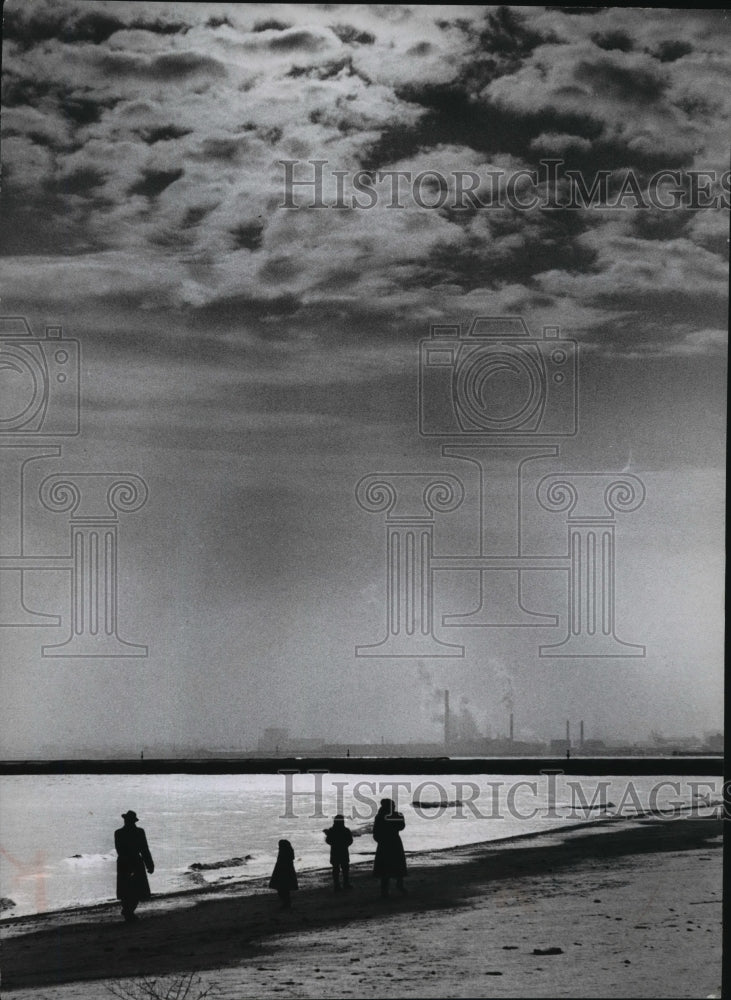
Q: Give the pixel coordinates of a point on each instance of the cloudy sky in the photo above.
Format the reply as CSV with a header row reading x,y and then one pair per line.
x,y
252,362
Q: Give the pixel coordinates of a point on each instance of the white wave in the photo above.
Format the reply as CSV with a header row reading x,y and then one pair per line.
x,y
90,860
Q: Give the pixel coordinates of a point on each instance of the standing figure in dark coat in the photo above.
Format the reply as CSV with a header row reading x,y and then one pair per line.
x,y
390,860
133,857
339,837
284,877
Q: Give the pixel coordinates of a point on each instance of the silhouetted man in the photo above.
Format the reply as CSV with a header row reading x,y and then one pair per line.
x,y
133,857
390,859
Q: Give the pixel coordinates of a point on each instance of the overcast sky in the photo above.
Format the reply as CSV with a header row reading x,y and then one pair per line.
x,y
251,362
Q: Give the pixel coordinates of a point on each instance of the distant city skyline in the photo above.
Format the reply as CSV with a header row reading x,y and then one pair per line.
x,y
286,742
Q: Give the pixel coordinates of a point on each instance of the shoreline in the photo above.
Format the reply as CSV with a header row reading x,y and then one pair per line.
x,y
240,883
677,764
222,928
449,854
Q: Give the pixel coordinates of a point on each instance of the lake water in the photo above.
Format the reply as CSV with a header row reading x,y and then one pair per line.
x,y
57,831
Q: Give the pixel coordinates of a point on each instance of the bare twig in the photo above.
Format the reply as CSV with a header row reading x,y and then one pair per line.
x,y
171,988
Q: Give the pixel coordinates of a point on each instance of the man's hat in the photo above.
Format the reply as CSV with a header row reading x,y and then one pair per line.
x,y
130,815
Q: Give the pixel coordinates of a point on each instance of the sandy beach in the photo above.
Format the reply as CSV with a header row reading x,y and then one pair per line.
x,y
630,910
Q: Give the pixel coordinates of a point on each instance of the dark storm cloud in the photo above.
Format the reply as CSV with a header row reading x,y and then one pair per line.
x,y
502,46
279,318
296,40
420,49
280,269
227,150
83,110
655,225
21,91
154,182
79,182
352,36
159,26
177,65
247,237
270,25
28,27
329,70
507,33
515,251
120,64
218,22
81,106
21,235
195,215
631,84
170,66
163,133
670,51
613,40
579,11
228,310
453,117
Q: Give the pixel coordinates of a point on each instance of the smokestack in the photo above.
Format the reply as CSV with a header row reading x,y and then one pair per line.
x,y
568,734
581,733
511,727
446,718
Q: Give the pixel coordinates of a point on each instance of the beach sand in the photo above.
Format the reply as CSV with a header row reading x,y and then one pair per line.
x,y
634,907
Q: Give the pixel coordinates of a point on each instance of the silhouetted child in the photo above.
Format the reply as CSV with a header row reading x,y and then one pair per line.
x,y
284,877
339,837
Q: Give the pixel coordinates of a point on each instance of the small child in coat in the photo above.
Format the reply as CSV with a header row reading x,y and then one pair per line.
x,y
339,837
284,877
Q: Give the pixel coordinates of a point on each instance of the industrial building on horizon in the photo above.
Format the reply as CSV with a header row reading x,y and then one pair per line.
x,y
460,739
